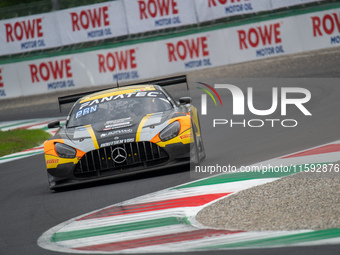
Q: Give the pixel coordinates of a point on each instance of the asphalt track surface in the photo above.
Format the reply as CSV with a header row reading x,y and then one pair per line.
x,y
28,208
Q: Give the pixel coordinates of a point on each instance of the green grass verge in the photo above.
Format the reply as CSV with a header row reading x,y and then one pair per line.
x,y
20,139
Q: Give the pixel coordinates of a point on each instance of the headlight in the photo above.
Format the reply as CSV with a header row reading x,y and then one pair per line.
x,y
65,151
170,131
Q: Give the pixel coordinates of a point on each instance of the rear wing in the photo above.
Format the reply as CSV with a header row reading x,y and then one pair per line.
x,y
161,82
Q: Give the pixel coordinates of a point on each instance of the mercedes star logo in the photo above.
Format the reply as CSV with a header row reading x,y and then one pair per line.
x,y
119,155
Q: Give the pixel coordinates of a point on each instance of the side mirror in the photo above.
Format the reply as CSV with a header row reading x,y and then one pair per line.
x,y
54,124
185,100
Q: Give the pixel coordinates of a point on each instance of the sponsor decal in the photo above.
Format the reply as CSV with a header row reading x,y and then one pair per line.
x,y
122,63
27,32
57,73
118,125
327,25
186,136
117,132
265,39
115,124
128,140
52,161
121,96
117,121
193,52
2,90
239,105
93,21
159,10
232,6
86,111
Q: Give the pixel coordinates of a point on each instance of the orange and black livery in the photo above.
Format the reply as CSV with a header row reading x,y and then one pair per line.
x,y
122,131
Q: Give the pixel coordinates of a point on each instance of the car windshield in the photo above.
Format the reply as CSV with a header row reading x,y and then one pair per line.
x,y
118,107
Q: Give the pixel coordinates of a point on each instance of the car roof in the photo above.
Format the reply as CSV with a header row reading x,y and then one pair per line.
x,y
119,91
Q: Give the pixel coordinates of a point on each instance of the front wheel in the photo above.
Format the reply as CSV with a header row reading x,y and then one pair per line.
x,y
198,151
202,154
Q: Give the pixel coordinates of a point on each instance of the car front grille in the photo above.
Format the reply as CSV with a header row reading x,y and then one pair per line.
x,y
139,155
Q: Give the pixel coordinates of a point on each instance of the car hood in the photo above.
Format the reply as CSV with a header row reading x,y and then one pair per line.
x,y
112,132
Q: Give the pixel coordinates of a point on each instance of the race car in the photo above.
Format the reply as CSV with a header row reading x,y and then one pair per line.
x,y
121,131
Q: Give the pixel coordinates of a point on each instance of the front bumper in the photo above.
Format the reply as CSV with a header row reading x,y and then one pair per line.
x,y
98,164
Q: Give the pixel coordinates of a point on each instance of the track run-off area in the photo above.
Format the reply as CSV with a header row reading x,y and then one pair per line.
x,y
27,124
154,212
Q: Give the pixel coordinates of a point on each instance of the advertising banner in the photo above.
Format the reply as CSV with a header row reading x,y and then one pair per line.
x,y
216,9
264,39
187,53
92,22
277,4
51,74
9,83
120,64
36,32
320,30
148,15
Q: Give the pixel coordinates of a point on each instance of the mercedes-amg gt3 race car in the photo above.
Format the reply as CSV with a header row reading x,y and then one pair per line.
x,y
122,131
